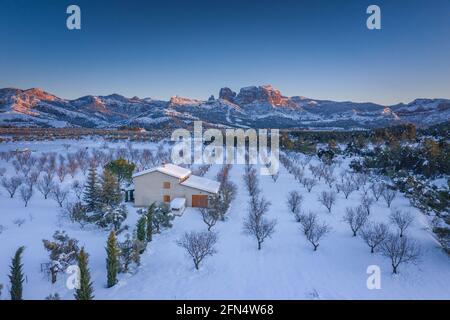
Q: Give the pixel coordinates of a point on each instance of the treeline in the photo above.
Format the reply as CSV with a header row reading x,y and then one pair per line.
x,y
43,134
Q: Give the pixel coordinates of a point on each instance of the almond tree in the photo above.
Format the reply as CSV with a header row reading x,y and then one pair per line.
x,y
32,178
366,203
377,189
11,185
373,234
309,183
256,224
61,172
26,192
198,245
316,233
327,199
45,185
209,217
389,196
401,219
400,250
308,221
59,195
356,218
251,181
347,187
294,202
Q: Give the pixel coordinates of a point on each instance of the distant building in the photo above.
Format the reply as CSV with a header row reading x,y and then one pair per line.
x,y
168,182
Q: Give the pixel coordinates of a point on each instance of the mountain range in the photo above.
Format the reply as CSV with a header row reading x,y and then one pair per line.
x,y
255,106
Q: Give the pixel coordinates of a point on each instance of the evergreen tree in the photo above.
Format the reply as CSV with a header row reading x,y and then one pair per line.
x,y
110,190
162,219
122,169
63,252
129,252
111,216
91,195
112,260
16,276
141,231
85,292
150,214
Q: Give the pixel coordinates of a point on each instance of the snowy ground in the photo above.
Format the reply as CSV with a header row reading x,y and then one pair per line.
x,y
285,268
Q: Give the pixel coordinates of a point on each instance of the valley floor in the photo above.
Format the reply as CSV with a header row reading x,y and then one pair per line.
x,y
285,268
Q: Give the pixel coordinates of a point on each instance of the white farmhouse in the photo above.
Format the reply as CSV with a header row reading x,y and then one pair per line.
x,y
168,182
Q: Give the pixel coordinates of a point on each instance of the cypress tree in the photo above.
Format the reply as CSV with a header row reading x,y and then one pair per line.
x,y
16,276
141,232
149,215
112,260
91,193
85,292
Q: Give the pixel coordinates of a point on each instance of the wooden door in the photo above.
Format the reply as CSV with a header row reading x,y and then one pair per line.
x,y
199,201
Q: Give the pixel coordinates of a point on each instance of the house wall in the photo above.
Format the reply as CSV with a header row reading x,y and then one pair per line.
x,y
149,188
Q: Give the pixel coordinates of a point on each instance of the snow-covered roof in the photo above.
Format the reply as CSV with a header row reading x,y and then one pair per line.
x,y
169,169
177,203
202,184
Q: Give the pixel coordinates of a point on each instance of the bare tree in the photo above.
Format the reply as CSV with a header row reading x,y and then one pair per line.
x,y
309,183
11,185
304,161
356,218
389,196
366,203
327,198
377,189
45,184
2,172
328,175
59,195
32,178
209,217
294,202
256,224
373,234
316,233
360,179
26,192
72,166
61,172
198,245
308,221
402,219
347,187
77,188
400,250
251,181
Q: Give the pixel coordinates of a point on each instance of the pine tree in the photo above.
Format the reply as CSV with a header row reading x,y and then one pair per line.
x,y
110,190
141,231
150,214
112,260
85,292
91,193
16,276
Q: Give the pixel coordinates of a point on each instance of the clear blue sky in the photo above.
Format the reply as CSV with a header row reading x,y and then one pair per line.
x,y
319,49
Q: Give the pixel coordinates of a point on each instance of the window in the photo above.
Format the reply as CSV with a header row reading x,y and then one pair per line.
x,y
166,198
166,185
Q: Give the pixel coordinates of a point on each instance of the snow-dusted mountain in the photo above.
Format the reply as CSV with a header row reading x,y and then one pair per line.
x,y
259,107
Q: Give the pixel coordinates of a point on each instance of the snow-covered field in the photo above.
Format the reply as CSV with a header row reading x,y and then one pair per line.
x,y
285,268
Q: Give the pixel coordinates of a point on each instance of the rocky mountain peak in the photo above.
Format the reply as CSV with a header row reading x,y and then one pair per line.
x,y
227,94
262,94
